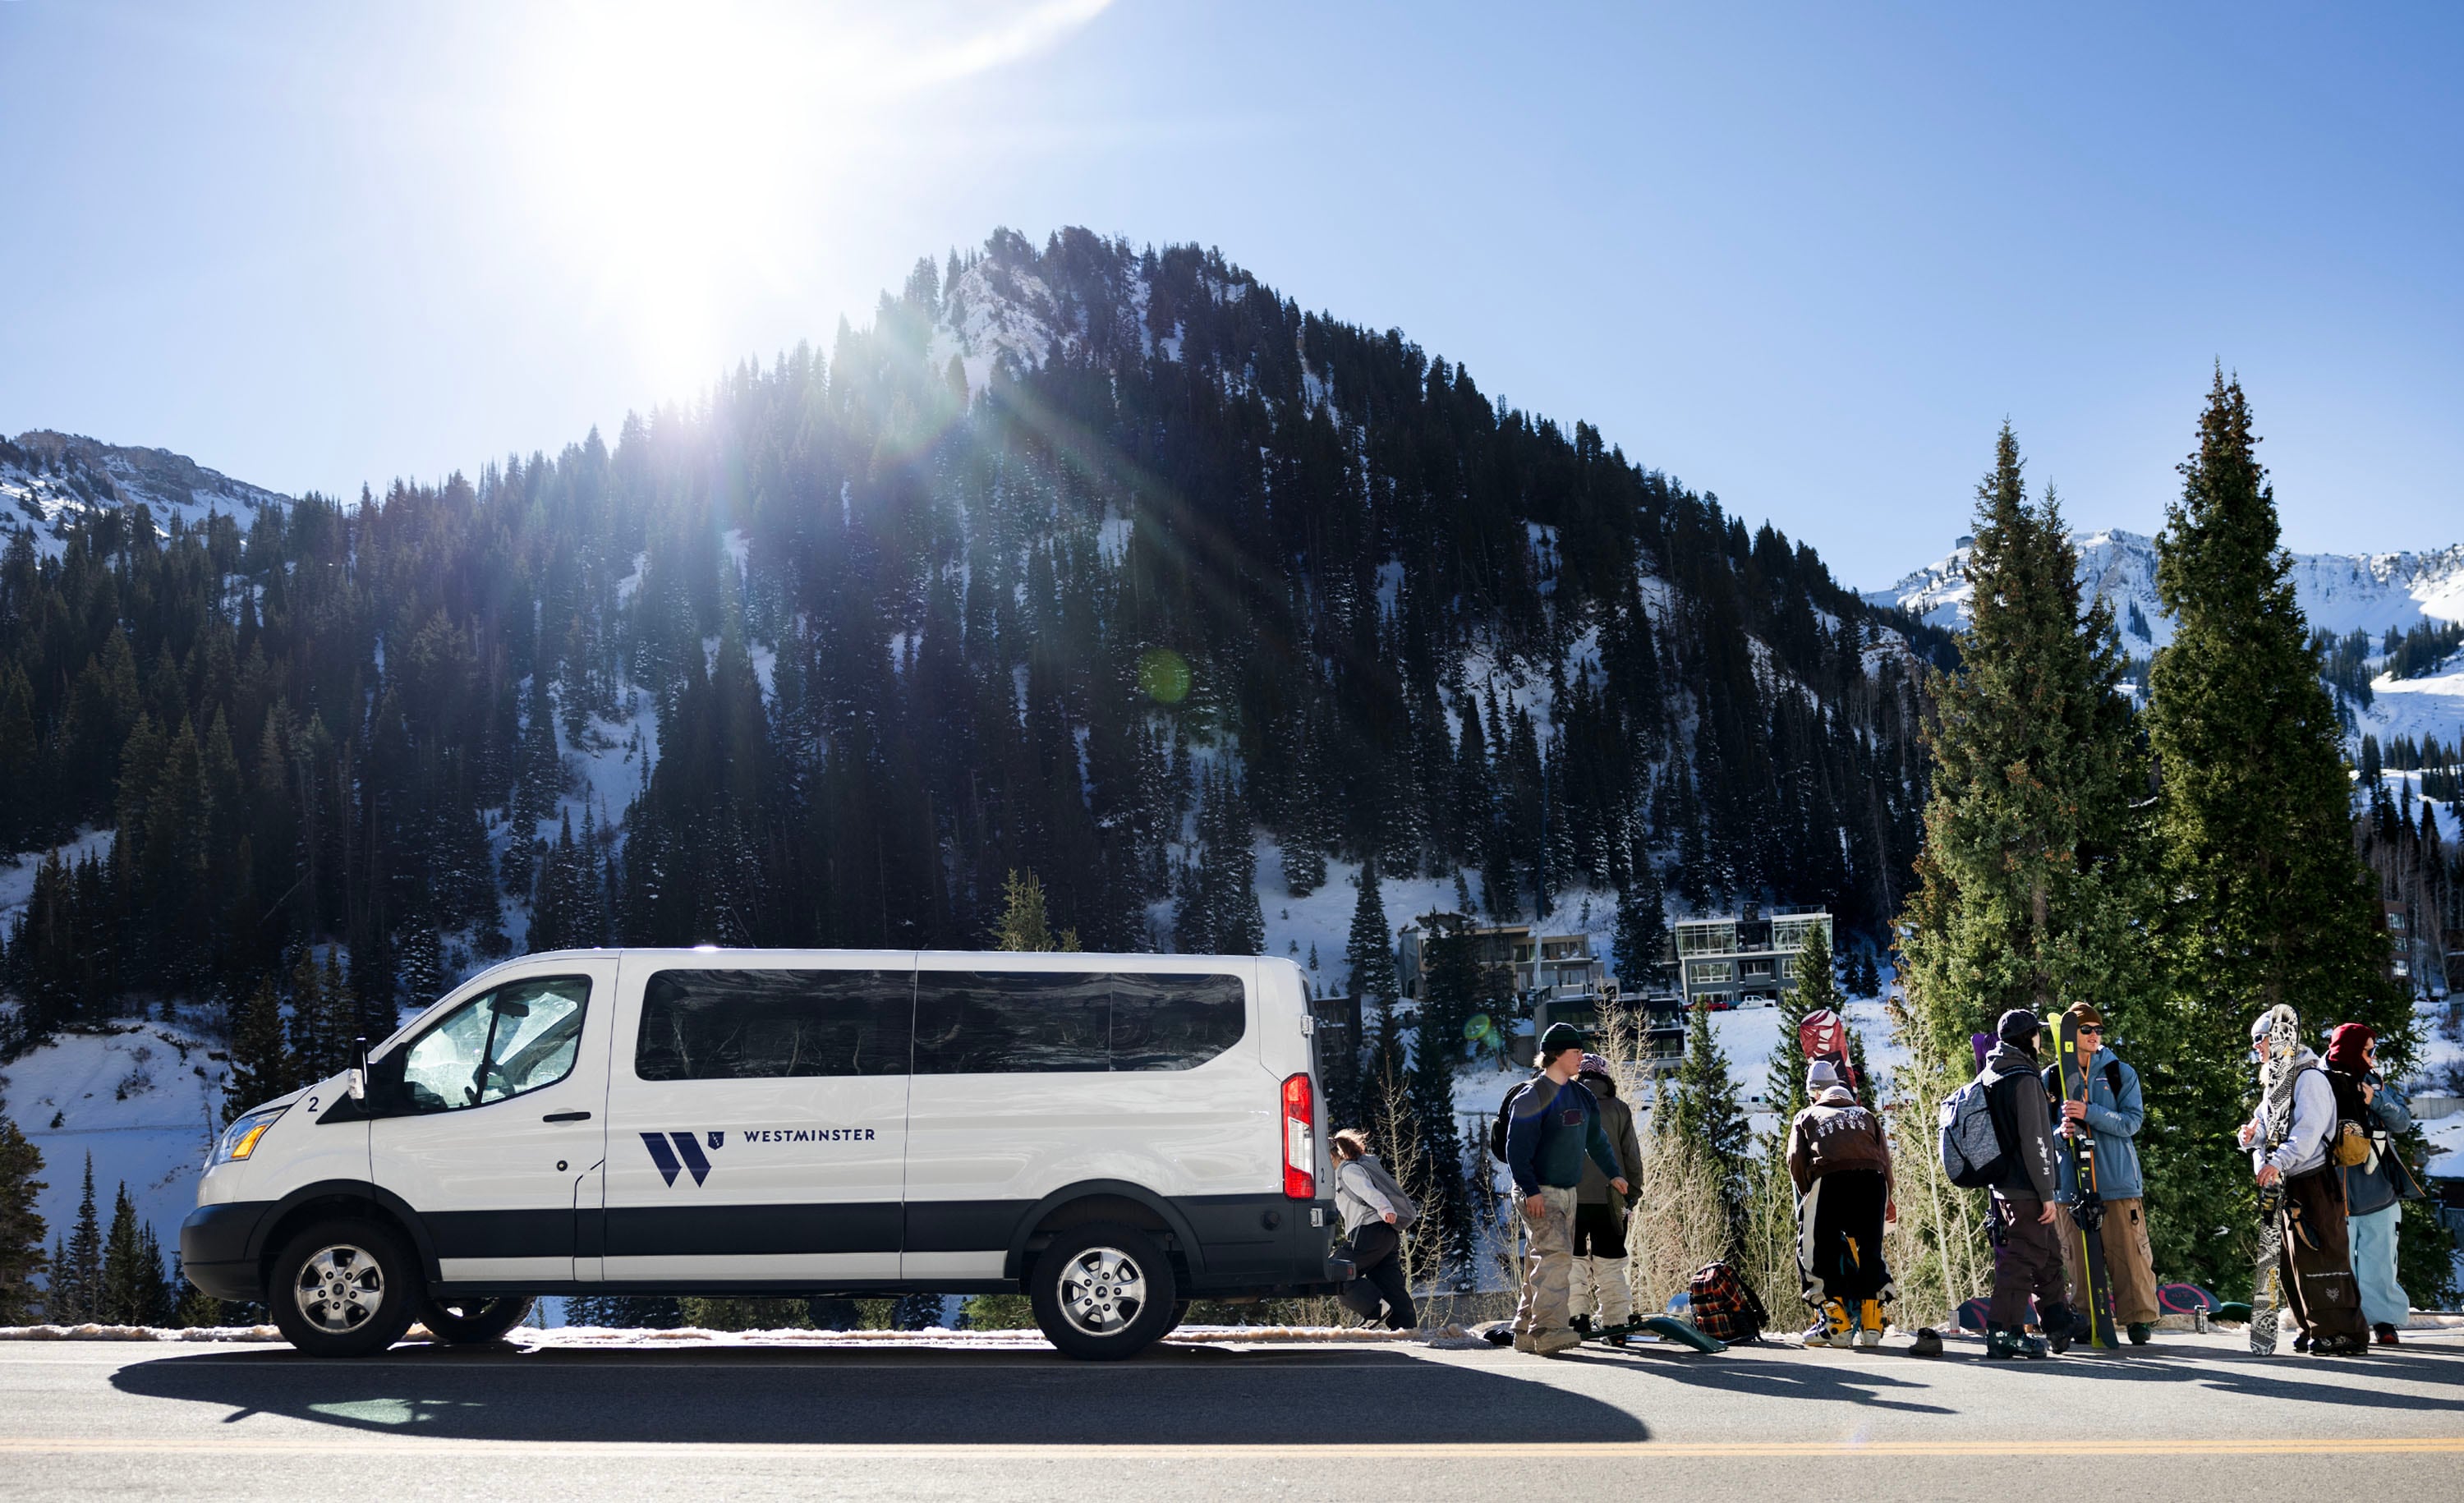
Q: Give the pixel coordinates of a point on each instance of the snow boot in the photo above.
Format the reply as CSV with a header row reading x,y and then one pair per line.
x,y
2140,1332
2386,1334
1523,1343
1831,1328
1583,1324
2059,1329
1548,1343
2004,1343
1869,1323
1928,1342
2339,1346
2302,1343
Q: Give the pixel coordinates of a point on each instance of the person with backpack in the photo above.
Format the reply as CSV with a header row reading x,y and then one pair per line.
x,y
1375,1213
2315,1262
1600,1290
2108,1113
1552,1124
2026,1262
2377,1180
1840,1161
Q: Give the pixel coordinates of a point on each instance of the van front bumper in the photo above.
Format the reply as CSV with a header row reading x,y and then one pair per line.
x,y
219,1252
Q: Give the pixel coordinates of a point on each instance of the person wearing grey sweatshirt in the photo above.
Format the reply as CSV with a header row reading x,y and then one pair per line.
x,y
2027,1261
2315,1263
1370,1221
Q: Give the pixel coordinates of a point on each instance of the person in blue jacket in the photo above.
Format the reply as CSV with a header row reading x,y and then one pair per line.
x,y
1552,1125
2110,1115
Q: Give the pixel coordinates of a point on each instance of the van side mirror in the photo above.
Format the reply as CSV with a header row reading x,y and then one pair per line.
x,y
355,1080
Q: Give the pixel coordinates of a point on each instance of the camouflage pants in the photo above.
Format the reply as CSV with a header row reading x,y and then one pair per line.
x,y
1548,1264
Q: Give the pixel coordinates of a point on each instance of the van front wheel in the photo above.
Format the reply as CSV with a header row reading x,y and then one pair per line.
x,y
1103,1292
342,1288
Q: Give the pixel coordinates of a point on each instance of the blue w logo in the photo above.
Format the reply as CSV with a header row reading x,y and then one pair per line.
x,y
688,1149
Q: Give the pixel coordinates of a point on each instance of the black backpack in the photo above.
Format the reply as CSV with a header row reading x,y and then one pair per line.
x,y
1505,1114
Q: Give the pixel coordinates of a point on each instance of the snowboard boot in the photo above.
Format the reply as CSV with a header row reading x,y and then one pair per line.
x,y
1523,1343
2140,1332
1869,1323
2386,1334
1548,1343
1928,1342
2302,1343
1832,1329
2004,1343
2056,1321
1583,1324
2339,1346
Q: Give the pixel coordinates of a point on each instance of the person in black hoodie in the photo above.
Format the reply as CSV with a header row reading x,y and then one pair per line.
x,y
2028,1260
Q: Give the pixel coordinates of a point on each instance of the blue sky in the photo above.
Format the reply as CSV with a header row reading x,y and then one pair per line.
x,y
1806,257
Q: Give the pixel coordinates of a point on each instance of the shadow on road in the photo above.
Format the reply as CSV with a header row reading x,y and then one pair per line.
x,y
2241,1373
841,1396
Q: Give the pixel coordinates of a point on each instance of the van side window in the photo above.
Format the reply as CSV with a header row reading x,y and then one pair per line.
x,y
991,1023
502,1042
987,1023
1175,1022
710,1024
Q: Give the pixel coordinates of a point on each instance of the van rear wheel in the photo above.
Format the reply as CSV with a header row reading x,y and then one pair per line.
x,y
468,1322
1103,1292
342,1288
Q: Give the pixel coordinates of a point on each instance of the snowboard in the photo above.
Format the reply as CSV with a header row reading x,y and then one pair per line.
x,y
2087,1211
2276,1124
1668,1327
1824,1035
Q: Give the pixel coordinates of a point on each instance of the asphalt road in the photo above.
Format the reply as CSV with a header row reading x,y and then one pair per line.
x,y
2192,1417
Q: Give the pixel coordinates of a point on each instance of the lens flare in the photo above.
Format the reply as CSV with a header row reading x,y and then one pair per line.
x,y
1164,675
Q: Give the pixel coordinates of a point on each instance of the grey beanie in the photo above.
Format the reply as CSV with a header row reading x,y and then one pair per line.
x,y
1821,1075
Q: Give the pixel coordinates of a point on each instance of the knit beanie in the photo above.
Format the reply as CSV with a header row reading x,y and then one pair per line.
x,y
2017,1028
2344,1048
1821,1073
1560,1037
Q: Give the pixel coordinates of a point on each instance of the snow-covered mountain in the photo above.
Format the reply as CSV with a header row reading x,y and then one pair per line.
x,y
47,478
2340,592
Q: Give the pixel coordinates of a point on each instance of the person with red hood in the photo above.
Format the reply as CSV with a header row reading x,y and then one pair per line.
x,y
2375,1188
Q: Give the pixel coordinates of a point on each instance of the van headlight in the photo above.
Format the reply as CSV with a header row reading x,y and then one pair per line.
x,y
240,1138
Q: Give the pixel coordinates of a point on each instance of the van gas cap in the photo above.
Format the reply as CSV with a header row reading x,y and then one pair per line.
x,y
1271,1220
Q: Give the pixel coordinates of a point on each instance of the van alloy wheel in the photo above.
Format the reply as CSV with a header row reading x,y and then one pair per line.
x,y
1102,1291
340,1289
343,1287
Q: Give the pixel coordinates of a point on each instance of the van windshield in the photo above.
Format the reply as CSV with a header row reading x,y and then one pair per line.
x,y
516,1038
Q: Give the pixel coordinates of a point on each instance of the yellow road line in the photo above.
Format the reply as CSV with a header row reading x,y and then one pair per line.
x,y
1400,1450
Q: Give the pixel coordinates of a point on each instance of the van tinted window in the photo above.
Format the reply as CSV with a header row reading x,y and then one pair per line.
x,y
700,1024
983,1023
987,1023
1175,1022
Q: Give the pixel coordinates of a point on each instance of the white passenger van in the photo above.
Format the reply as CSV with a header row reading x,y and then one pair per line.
x,y
1110,1135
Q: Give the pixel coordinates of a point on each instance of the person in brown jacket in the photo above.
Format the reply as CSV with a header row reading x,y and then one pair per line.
x,y
1841,1163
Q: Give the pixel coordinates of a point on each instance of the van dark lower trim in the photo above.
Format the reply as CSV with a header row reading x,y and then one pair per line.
x,y
1225,1244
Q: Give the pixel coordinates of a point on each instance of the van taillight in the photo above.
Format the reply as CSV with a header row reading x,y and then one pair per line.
x,y
1300,1139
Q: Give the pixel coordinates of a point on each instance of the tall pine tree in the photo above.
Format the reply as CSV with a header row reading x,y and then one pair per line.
x,y
21,1224
2266,900
2029,884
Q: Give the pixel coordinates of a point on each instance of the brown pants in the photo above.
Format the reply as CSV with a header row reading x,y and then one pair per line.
x,y
2129,1263
2317,1263
2027,1263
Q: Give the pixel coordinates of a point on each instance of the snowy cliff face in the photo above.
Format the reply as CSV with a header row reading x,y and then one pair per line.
x,y
48,478
2339,592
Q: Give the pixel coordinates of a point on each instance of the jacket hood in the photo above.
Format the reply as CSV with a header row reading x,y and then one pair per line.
x,y
2009,1060
1836,1095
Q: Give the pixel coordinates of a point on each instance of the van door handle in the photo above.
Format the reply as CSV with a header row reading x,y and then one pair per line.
x,y
566,1117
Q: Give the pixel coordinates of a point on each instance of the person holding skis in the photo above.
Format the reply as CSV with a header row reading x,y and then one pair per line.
x,y
2108,1113
2313,1260
1601,1291
2376,1189
1552,1124
1840,1161
2026,1262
